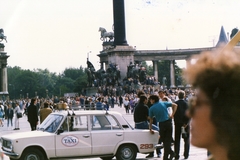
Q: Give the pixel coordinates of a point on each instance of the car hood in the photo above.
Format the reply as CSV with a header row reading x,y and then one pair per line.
x,y
30,134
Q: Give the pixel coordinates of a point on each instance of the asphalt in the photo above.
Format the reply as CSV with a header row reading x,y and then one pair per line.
x,y
194,154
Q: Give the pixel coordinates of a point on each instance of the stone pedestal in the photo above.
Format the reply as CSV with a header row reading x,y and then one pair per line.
x,y
122,56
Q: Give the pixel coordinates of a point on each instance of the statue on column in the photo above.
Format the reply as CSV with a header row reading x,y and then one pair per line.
x,y
2,37
106,36
90,73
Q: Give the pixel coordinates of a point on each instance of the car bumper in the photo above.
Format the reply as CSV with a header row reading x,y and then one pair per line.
x,y
11,154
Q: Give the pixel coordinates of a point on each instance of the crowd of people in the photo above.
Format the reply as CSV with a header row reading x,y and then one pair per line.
x,y
38,109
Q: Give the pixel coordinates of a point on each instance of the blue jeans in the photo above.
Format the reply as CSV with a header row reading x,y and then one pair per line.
x,y
9,120
145,125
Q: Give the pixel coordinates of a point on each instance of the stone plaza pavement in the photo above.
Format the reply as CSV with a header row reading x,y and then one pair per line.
x,y
195,153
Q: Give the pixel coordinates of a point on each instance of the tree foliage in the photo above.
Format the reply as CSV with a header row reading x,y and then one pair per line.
x,y
43,83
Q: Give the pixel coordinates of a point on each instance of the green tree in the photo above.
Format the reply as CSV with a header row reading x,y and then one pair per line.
x,y
164,71
13,87
27,83
149,68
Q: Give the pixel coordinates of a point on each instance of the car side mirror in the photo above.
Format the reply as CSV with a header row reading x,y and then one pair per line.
x,y
60,131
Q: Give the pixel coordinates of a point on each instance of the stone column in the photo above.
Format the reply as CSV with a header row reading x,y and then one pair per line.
x,y
119,23
172,74
155,69
106,66
101,65
4,79
3,72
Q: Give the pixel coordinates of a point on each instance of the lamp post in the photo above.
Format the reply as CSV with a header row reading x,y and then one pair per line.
x,y
88,55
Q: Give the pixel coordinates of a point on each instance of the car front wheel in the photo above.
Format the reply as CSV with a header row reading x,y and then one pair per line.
x,y
126,152
32,154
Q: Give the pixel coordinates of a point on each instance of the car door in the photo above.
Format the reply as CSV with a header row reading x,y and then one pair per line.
x,y
106,134
76,138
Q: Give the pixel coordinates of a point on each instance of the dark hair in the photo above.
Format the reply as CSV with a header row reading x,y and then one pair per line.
x,y
154,97
32,101
217,74
140,93
142,98
161,91
45,104
181,94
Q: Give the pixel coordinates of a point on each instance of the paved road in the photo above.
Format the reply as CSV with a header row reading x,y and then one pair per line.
x,y
195,153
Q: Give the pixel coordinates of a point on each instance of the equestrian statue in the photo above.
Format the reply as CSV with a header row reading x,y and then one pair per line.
x,y
2,37
106,36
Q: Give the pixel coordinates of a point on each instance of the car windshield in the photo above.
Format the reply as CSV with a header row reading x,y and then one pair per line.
x,y
51,123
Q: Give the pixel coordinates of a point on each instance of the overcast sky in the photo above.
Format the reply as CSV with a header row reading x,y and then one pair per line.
x,y
58,34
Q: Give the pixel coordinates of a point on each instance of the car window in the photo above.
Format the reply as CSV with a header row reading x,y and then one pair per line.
x,y
75,123
104,122
51,123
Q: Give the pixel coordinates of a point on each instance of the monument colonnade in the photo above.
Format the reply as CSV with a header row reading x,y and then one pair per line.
x,y
122,56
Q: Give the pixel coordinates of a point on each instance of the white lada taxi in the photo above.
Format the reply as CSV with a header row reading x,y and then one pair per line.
x,y
80,134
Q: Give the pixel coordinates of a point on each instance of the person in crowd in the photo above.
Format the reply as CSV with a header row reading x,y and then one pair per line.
x,y
159,111
105,105
112,101
126,104
87,103
215,110
16,111
26,104
82,101
91,104
120,101
44,112
163,97
2,114
154,121
55,100
141,117
99,104
181,122
9,114
132,104
33,114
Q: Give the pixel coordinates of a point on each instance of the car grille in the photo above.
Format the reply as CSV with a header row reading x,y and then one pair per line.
x,y
6,144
